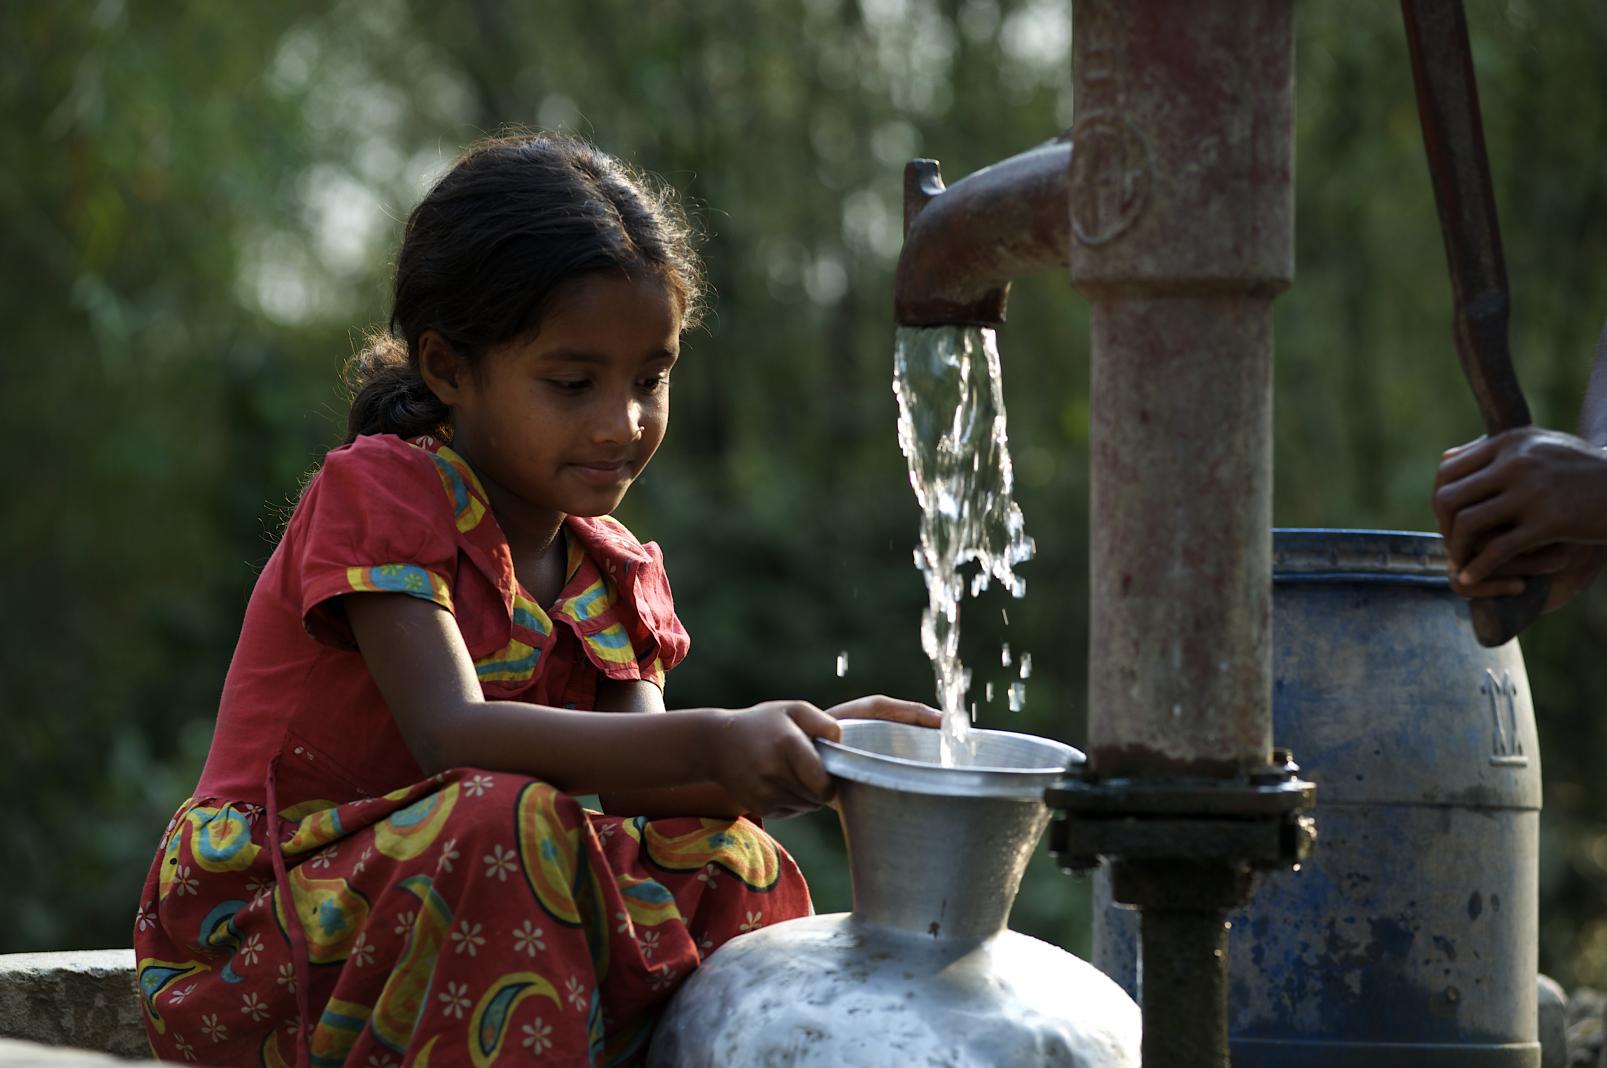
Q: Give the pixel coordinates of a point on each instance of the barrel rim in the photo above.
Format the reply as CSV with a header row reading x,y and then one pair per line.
x,y
1325,554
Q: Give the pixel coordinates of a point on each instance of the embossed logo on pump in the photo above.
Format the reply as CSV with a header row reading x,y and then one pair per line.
x,y
1110,177
1507,750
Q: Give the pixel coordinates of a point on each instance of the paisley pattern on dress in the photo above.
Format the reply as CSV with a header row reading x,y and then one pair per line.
x,y
396,1013
474,918
411,830
756,860
488,1029
329,912
157,977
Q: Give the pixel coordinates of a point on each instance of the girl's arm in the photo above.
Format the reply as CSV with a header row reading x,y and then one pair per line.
x,y
416,654
710,798
698,799
762,757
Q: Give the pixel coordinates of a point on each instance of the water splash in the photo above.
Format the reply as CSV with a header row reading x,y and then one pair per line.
x,y
951,428
842,663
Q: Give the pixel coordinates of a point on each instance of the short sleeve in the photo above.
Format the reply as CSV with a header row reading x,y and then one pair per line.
x,y
373,520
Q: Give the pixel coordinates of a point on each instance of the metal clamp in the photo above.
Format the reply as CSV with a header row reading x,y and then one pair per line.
x,y
1259,820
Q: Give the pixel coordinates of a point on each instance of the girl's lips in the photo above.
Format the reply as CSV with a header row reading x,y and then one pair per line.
x,y
604,474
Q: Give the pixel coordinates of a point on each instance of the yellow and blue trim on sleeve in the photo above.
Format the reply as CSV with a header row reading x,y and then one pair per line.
x,y
401,578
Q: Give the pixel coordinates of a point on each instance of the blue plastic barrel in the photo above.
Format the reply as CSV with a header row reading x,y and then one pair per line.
x,y
1409,937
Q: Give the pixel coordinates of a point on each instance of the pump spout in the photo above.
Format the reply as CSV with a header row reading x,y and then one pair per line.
x,y
964,244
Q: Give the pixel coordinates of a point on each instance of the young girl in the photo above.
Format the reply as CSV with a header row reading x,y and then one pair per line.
x,y
383,863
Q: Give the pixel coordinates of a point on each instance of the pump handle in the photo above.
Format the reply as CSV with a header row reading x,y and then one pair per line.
x,y
1453,137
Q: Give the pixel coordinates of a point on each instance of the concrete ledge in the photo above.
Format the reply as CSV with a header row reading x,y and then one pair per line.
x,y
14,1053
85,999
72,1009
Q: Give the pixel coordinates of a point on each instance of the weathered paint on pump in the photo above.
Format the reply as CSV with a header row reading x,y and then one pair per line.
x,y
1409,937
963,244
1182,216
1183,222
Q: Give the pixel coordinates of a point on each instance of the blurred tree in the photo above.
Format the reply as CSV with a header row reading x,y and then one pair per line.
x,y
198,217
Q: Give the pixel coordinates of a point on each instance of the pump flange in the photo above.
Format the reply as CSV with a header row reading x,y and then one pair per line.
x,y
1185,851
1260,820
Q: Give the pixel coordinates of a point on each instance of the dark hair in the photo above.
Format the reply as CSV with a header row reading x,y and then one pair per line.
x,y
487,247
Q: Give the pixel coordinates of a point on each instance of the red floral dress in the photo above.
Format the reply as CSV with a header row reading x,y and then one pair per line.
x,y
321,902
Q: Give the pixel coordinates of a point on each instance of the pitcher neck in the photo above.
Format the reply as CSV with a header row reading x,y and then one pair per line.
x,y
938,867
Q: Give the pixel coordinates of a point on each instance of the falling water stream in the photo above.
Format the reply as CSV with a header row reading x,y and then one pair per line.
x,y
951,428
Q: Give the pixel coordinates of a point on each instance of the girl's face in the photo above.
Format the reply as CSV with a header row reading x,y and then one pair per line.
x,y
562,422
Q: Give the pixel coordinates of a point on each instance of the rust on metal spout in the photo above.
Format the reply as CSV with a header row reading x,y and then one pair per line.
x,y
963,244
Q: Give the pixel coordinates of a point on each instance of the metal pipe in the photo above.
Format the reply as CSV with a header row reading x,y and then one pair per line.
x,y
1180,535
1182,220
963,244
1182,213
1194,1028
1184,980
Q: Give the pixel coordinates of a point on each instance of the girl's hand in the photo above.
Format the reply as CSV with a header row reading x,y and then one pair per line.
x,y
888,708
765,756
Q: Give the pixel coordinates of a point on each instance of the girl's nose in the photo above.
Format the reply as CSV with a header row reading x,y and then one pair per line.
x,y
620,423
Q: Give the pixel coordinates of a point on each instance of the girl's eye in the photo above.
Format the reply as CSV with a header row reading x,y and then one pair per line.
x,y
568,385
657,382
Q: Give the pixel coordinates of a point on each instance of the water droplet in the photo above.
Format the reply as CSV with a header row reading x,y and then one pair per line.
x,y
1004,613
842,664
1004,655
1018,696
1026,665
987,692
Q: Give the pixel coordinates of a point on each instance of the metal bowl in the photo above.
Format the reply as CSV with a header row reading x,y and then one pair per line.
x,y
897,756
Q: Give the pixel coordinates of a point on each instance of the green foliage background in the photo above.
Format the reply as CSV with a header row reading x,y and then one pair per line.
x,y
197,209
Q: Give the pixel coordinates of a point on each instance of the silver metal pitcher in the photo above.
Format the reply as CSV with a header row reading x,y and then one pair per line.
x,y
924,970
